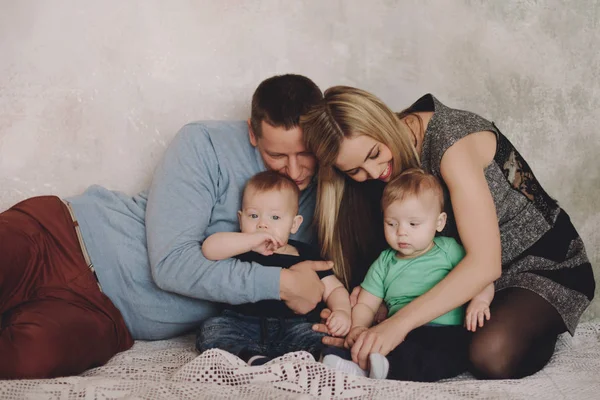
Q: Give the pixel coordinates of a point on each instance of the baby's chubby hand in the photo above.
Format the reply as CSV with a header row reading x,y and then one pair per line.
x,y
478,311
265,243
338,323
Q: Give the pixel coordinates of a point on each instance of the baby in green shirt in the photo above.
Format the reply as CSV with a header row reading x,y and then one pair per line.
x,y
416,261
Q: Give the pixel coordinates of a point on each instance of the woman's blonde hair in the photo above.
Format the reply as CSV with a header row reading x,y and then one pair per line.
x,y
348,214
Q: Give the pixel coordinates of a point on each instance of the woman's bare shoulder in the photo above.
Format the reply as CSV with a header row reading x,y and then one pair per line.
x,y
478,149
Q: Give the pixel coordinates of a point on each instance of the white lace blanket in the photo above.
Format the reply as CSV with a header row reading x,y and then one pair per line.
x,y
173,370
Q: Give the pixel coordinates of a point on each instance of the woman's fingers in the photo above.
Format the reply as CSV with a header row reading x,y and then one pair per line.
x,y
361,354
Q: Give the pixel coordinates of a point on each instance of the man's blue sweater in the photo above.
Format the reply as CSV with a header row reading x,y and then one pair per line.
x,y
146,249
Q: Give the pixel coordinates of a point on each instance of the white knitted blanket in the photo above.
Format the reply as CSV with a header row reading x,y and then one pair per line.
x,y
172,369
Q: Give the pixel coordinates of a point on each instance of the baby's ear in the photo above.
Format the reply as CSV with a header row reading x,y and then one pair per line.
x,y
239,214
441,221
296,224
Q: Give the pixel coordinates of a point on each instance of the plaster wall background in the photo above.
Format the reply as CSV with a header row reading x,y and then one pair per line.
x,y
93,91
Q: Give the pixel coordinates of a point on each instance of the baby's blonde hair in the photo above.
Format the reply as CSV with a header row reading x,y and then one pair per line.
x,y
412,182
272,180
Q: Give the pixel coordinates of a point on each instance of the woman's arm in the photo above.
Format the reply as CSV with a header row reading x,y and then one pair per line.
x,y
462,169
183,193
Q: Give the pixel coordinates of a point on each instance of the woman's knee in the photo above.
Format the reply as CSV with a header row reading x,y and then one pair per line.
x,y
492,356
497,356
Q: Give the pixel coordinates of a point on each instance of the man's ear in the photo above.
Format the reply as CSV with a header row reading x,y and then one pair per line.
x,y
251,134
441,221
296,224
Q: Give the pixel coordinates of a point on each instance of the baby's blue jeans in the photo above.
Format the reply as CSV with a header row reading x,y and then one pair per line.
x,y
247,336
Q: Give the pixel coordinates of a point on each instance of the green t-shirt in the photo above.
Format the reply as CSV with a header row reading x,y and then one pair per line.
x,y
399,281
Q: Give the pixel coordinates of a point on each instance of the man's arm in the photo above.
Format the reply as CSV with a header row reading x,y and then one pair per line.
x,y
180,203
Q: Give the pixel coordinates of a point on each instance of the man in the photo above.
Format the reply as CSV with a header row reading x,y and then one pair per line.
x,y
146,250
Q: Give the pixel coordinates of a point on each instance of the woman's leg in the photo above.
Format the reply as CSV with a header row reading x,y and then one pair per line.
x,y
519,338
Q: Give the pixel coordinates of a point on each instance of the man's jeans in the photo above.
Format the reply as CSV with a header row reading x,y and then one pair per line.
x,y
247,336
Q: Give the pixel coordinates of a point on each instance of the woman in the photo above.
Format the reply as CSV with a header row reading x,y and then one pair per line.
x,y
514,234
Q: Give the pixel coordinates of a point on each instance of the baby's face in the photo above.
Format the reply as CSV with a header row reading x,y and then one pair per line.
x,y
410,224
272,211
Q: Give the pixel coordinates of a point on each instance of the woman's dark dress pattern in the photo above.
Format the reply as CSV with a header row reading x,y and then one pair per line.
x,y
541,251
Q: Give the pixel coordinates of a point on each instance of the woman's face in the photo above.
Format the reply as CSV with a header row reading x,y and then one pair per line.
x,y
362,157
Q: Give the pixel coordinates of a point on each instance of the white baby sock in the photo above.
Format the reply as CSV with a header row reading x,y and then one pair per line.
x,y
258,360
340,364
380,366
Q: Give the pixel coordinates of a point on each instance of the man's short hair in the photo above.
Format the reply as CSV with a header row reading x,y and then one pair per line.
x,y
272,180
281,100
411,182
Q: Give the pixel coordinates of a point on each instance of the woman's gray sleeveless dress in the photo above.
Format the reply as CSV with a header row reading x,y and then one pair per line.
x,y
541,251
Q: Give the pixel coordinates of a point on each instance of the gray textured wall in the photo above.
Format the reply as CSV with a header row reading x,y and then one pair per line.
x,y
92,92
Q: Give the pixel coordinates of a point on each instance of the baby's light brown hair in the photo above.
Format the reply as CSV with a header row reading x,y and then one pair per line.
x,y
272,180
411,182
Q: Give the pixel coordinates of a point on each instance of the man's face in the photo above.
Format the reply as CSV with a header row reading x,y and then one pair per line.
x,y
284,151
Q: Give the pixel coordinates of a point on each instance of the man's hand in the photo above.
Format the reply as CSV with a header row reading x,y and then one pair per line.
x,y
381,339
300,287
478,311
338,323
265,243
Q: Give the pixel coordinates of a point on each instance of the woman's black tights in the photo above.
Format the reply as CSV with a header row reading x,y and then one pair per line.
x,y
519,338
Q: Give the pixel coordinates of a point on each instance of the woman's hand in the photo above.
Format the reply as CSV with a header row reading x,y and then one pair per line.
x,y
353,335
381,339
339,342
